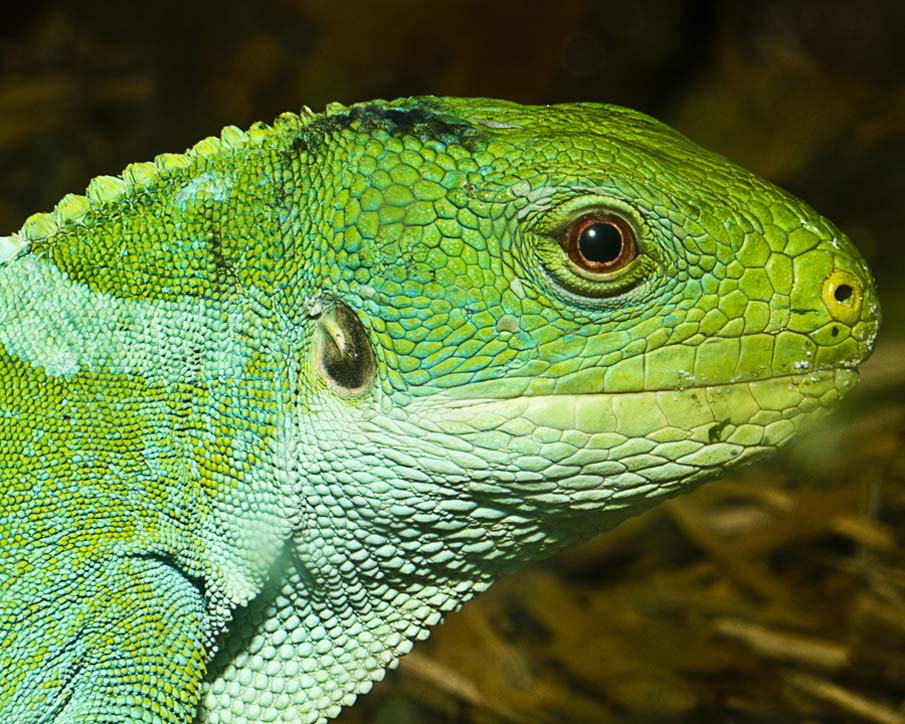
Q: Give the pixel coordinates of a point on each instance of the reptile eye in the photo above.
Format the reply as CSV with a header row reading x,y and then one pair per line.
x,y
600,243
594,247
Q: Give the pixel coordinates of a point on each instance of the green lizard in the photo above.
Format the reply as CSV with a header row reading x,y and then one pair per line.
x,y
270,408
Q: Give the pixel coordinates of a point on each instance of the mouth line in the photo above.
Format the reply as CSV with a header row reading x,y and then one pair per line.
x,y
804,374
846,372
774,407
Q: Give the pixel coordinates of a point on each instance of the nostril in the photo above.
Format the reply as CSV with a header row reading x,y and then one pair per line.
x,y
843,293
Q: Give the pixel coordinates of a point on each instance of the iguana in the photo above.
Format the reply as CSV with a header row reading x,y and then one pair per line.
x,y
272,407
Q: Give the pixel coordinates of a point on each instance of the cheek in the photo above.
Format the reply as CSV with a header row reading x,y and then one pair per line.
x,y
594,448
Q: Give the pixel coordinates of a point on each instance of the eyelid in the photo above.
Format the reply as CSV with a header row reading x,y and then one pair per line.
x,y
554,220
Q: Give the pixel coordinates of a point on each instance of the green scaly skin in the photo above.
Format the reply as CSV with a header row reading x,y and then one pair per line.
x,y
270,408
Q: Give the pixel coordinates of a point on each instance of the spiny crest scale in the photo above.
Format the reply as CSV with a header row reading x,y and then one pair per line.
x,y
104,191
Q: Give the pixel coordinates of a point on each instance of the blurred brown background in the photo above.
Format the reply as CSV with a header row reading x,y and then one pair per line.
x,y
778,596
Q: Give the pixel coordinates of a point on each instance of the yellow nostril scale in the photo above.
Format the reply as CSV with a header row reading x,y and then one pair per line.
x,y
842,294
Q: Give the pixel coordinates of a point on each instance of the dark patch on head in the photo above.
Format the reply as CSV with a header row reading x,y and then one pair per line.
x,y
221,265
224,271
715,433
422,123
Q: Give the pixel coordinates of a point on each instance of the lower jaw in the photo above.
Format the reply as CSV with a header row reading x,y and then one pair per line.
x,y
640,413
596,458
709,427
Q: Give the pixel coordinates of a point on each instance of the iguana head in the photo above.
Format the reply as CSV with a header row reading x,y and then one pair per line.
x,y
553,316
520,326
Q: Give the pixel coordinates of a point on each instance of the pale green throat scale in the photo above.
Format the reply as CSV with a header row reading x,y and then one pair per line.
x,y
272,407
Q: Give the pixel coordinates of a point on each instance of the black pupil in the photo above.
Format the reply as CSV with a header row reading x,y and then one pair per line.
x,y
600,243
